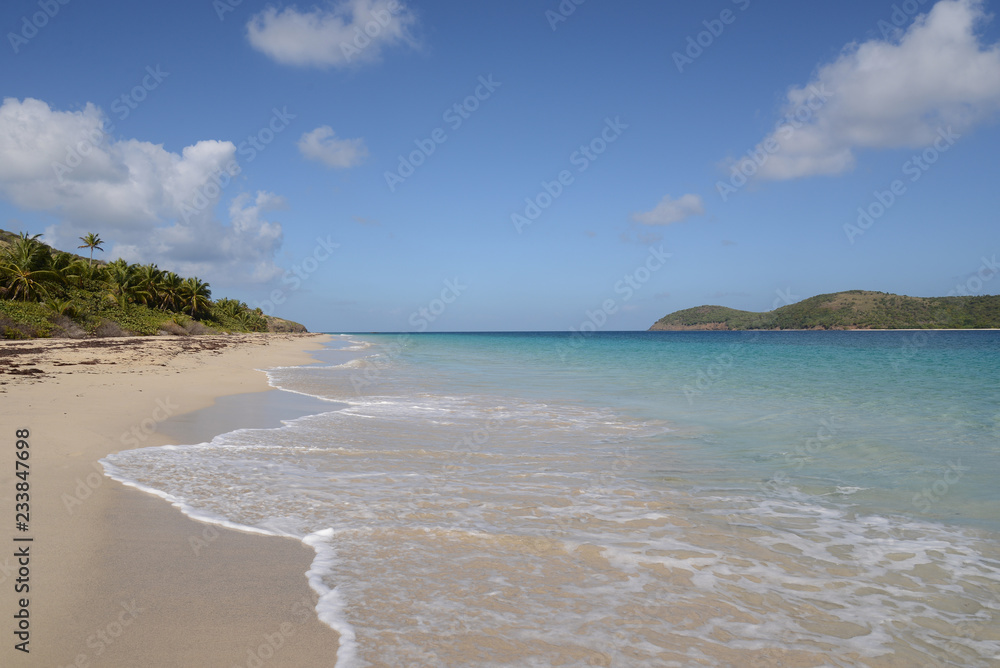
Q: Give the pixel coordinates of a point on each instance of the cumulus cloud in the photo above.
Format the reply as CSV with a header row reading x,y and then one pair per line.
x,y
322,145
153,204
887,94
670,211
345,34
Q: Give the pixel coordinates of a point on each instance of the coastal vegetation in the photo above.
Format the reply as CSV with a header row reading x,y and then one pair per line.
x,y
853,309
47,292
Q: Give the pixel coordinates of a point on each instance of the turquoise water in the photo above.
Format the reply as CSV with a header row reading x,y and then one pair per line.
x,y
632,499
881,416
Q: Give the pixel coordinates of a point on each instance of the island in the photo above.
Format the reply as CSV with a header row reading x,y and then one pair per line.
x,y
852,309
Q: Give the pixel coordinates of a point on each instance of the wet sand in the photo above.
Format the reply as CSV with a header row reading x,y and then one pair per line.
x,y
118,577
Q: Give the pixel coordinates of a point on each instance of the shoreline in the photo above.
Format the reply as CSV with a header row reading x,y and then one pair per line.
x,y
117,577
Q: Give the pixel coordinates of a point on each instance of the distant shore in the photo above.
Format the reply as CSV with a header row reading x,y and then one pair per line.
x,y
696,328
848,310
117,576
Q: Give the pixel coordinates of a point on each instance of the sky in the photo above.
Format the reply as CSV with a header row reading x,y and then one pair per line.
x,y
391,165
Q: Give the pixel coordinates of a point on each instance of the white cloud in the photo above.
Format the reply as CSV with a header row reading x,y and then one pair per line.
x,y
152,204
888,94
670,211
322,144
348,33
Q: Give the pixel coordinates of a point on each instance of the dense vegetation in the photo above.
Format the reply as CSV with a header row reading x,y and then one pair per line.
x,y
45,292
854,309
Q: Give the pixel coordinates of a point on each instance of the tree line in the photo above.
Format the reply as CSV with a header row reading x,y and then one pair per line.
x,y
30,271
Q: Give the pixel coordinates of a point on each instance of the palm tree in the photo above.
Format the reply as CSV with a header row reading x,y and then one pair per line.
x,y
229,307
60,306
91,241
147,284
70,268
27,250
25,269
196,295
171,286
251,321
119,277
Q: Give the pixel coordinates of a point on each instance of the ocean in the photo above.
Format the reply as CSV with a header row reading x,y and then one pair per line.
x,y
632,498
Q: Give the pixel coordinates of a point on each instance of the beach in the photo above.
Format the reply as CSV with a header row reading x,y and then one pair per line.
x,y
504,500
118,577
629,498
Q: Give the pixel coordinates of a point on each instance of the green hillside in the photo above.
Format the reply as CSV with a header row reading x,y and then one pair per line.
x,y
854,309
48,292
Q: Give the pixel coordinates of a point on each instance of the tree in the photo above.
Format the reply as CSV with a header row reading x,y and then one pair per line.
x,y
196,295
70,268
119,277
91,241
229,307
171,287
25,269
148,284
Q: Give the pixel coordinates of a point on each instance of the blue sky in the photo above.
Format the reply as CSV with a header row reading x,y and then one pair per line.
x,y
300,122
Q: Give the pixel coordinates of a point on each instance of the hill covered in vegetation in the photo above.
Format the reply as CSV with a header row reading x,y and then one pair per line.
x,y
853,309
47,292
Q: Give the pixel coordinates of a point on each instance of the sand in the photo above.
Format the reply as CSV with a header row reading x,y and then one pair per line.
x,y
118,577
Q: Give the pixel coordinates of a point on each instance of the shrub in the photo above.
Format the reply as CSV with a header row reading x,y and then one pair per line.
x,y
195,327
109,328
66,327
27,319
171,327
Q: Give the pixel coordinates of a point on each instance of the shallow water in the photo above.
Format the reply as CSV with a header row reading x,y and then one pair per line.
x,y
633,499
